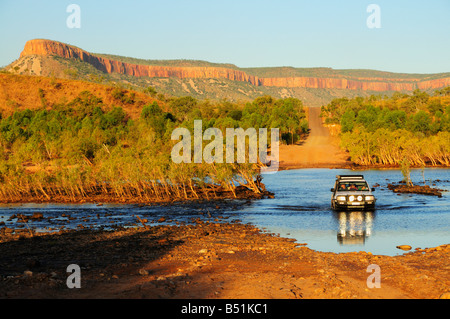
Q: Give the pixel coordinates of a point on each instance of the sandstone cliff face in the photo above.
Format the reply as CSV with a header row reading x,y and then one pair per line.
x,y
337,83
48,47
434,84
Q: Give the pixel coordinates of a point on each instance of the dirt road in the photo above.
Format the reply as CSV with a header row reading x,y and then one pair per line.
x,y
319,150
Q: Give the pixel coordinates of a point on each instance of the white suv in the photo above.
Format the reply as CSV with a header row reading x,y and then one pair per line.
x,y
352,191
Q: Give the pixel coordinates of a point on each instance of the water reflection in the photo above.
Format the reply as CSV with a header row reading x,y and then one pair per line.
x,y
354,227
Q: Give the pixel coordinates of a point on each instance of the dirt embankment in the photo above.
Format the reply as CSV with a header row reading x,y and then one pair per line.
x,y
320,149
207,260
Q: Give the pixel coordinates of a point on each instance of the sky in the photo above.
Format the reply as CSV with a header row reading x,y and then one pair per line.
x,y
412,36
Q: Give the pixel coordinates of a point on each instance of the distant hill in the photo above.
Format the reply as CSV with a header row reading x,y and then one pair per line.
x,y
19,92
215,81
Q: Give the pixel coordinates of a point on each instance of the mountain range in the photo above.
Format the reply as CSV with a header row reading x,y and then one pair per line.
x,y
216,81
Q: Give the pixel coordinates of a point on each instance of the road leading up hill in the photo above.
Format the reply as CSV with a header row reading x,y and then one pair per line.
x,y
319,150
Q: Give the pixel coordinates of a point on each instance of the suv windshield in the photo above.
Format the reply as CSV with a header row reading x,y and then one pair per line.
x,y
352,186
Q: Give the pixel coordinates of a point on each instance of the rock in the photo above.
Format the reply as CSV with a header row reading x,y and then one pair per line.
x,y
445,295
143,272
416,189
28,273
7,230
37,216
162,241
404,247
203,251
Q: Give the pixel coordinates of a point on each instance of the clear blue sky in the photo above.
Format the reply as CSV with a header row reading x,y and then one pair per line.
x,y
414,36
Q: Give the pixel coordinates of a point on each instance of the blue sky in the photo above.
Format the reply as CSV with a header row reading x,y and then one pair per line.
x,y
414,36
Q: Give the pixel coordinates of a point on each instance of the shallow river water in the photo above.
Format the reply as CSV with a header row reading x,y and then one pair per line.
x,y
301,210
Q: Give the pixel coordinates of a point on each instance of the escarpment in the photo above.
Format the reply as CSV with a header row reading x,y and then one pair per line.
x,y
50,48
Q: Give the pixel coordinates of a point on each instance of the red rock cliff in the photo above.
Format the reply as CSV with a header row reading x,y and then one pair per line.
x,y
338,83
48,47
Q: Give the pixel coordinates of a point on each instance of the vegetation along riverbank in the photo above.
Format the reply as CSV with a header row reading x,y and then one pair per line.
x,y
87,149
387,131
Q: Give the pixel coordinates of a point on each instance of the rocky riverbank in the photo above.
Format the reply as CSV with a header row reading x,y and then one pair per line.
x,y
415,189
207,260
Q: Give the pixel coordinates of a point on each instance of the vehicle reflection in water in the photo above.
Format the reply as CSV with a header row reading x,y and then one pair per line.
x,y
354,227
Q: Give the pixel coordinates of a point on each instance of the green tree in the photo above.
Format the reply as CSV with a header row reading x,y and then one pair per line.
x,y
347,121
183,105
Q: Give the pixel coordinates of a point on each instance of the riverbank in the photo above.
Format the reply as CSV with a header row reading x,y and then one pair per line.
x,y
195,194
211,259
293,164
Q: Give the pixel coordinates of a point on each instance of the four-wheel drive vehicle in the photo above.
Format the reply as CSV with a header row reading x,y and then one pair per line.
x,y
352,192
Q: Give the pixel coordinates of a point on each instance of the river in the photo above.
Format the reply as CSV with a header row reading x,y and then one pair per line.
x,y
300,210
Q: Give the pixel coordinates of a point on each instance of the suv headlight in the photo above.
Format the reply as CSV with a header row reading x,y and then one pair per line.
x,y
351,198
341,198
370,197
359,198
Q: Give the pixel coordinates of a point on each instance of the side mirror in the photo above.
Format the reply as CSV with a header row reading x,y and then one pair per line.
x,y
373,189
332,190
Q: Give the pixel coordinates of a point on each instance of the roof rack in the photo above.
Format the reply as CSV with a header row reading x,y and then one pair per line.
x,y
349,177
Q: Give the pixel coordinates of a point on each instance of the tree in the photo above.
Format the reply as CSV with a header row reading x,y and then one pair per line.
x,y
115,117
420,122
394,120
406,172
151,91
155,118
183,105
347,121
